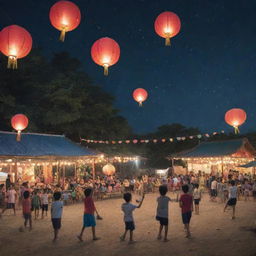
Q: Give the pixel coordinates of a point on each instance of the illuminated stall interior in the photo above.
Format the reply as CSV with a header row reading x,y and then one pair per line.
x,y
219,156
42,155
52,157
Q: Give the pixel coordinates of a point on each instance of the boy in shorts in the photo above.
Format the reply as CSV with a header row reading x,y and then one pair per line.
x,y
26,208
232,198
56,214
186,205
128,208
45,202
163,212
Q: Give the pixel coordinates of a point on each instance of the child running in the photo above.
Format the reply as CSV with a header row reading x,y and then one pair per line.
x,y
89,218
26,208
128,208
56,214
163,212
186,205
232,198
197,198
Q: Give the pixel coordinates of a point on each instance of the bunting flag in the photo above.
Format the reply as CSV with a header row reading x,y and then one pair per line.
x,y
161,140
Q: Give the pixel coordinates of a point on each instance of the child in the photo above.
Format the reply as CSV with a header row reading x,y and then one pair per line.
x,y
162,212
232,198
26,208
89,219
36,204
56,213
128,208
186,205
45,203
197,198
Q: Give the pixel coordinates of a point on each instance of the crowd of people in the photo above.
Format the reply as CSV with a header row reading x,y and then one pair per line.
x,y
185,189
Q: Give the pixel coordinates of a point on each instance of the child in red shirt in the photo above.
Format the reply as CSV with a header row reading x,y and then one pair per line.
x,y
89,218
26,208
186,205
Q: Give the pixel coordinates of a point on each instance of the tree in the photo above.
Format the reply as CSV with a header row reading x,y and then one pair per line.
x,y
58,98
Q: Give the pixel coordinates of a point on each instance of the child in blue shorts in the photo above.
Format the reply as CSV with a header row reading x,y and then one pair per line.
x,y
89,218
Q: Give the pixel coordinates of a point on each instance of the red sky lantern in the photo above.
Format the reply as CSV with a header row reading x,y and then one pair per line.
x,y
105,52
167,25
140,95
65,16
19,123
16,43
235,117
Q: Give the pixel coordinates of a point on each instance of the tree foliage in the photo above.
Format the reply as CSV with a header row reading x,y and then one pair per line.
x,y
58,97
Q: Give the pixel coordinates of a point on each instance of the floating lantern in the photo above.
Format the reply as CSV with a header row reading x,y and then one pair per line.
x,y
105,52
167,25
109,169
65,16
16,43
19,123
235,117
140,95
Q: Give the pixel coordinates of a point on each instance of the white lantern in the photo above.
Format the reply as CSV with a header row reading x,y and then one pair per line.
x,y
109,169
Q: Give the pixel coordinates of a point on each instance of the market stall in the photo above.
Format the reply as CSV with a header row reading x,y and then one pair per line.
x,y
218,156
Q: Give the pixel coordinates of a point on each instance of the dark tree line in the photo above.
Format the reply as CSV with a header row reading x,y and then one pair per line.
x,y
58,97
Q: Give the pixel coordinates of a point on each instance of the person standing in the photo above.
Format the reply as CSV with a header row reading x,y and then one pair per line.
x,y
128,209
197,198
26,208
186,205
89,218
232,198
56,214
162,213
11,200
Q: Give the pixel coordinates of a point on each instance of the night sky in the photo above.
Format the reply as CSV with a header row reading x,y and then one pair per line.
x,y
209,68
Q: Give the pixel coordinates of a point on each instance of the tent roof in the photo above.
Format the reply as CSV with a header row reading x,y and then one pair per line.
x,y
248,165
35,145
218,149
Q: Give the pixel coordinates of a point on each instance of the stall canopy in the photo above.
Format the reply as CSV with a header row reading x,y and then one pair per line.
x,y
248,165
229,148
38,145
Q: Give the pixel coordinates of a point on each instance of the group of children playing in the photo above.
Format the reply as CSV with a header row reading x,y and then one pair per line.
x,y
162,212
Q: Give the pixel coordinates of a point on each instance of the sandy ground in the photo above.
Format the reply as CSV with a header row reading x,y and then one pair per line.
x,y
213,232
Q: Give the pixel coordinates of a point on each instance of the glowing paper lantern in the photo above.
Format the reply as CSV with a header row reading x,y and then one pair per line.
x,y
108,169
16,43
19,123
65,16
167,25
140,95
235,117
105,52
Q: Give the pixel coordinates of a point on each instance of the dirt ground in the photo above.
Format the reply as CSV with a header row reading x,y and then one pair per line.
x,y
213,232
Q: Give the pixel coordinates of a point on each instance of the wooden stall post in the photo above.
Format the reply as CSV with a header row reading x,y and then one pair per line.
x,y
16,171
93,171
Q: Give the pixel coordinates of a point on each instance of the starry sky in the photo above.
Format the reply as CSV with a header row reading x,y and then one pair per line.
x,y
209,68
